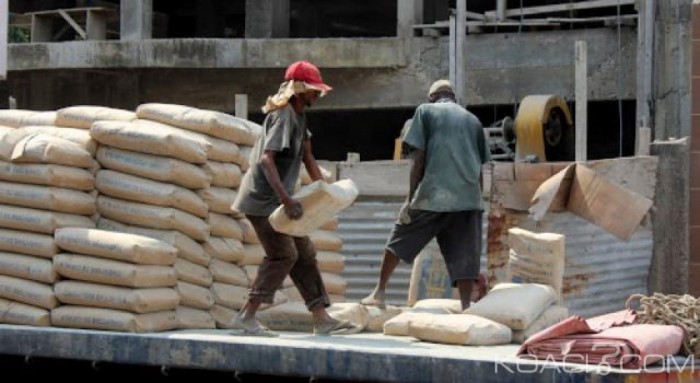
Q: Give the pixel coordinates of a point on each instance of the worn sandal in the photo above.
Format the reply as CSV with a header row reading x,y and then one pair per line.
x,y
338,328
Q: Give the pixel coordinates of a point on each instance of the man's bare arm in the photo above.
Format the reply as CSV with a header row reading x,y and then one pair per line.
x,y
417,171
310,162
292,207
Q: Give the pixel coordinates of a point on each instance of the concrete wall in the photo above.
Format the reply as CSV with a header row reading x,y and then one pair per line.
x,y
694,268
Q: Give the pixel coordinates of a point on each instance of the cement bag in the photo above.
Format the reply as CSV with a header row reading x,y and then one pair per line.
x,y
225,226
225,272
133,188
231,296
81,137
459,329
47,118
330,225
398,325
104,271
429,277
195,296
498,305
222,174
49,175
252,272
330,261
252,255
193,273
20,242
186,247
321,202
223,316
326,240
19,313
112,320
161,140
536,258
47,198
306,178
454,306
13,117
550,317
39,221
334,283
225,249
189,318
84,116
294,316
119,298
29,292
157,168
243,159
117,246
26,267
45,149
379,316
209,122
218,199
155,217
249,234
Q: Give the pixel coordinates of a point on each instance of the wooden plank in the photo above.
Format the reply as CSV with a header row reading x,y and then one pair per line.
x,y
581,101
72,23
96,25
592,4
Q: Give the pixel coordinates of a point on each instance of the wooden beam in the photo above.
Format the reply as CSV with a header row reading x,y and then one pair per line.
x,y
581,101
592,4
72,23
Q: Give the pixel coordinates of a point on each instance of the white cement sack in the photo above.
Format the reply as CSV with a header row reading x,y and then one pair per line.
x,y
112,320
117,246
537,258
224,226
27,267
47,198
195,296
226,175
187,248
105,271
498,305
13,117
154,217
218,199
294,316
378,316
20,242
334,283
189,318
398,325
45,149
452,305
321,202
152,138
83,116
153,167
81,137
252,272
193,273
330,225
225,272
28,292
225,249
47,118
429,277
459,329
39,221
231,296
252,255
49,175
118,298
249,234
223,316
143,190
243,159
330,261
550,317
19,313
326,241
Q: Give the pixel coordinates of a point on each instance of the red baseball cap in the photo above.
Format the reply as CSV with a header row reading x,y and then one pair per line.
x,y
308,73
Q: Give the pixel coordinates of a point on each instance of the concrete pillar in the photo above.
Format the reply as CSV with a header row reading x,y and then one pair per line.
x,y
694,267
136,20
409,13
266,18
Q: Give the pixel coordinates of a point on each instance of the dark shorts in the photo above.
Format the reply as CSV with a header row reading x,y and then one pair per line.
x,y
458,234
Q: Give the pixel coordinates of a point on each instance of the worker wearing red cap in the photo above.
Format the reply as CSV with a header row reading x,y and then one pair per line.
x,y
285,143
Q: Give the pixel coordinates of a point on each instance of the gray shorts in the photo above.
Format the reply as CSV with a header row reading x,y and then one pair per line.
x,y
458,235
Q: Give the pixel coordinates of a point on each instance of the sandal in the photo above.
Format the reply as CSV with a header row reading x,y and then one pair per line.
x,y
256,331
338,328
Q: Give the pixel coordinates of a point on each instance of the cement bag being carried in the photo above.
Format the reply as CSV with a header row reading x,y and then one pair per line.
x,y
321,202
225,175
133,188
398,325
195,296
225,272
379,316
39,221
326,241
21,242
225,249
161,140
83,116
91,269
452,305
29,292
155,217
218,199
231,296
119,298
459,329
45,149
47,198
112,320
157,168
19,313
536,258
81,137
117,246
550,317
189,318
193,273
499,304
294,316
49,175
330,225
225,226
27,267
186,247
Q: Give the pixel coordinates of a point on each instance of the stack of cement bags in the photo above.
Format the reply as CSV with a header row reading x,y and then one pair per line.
x,y
45,184
17,118
114,281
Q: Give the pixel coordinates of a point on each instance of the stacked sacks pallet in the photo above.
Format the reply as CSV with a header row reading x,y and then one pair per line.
x,y
114,281
45,184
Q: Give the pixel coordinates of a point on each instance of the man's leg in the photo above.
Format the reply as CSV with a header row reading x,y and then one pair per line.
x,y
389,263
